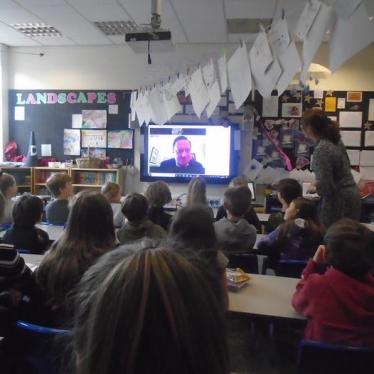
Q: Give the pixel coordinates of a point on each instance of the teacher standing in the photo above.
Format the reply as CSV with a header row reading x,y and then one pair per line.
x,y
334,181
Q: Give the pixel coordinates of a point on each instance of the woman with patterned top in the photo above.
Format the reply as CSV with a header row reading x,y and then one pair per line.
x,y
334,181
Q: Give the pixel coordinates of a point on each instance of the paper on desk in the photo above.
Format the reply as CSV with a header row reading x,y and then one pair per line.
x,y
270,106
354,157
369,139
371,110
343,7
19,113
239,74
349,36
367,158
314,38
198,91
351,138
222,72
350,119
307,18
253,169
356,175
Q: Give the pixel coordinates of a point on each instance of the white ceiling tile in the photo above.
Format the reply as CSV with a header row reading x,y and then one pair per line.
x,y
250,9
33,3
60,41
101,12
18,15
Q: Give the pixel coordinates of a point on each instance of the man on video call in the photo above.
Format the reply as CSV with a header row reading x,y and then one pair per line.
x,y
183,161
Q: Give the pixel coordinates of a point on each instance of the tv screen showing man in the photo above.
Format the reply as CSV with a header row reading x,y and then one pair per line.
x,y
184,161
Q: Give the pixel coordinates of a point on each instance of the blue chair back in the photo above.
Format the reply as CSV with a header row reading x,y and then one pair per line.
x,y
25,251
38,346
321,358
245,261
291,268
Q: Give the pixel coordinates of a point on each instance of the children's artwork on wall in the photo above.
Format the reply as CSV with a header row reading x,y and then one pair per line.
x,y
94,138
72,142
94,152
94,119
301,162
301,149
292,110
286,138
120,139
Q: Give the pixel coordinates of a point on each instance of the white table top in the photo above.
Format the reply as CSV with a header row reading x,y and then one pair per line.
x,y
263,217
266,295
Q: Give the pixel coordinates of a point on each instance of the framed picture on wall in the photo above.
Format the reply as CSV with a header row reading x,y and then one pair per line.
x,y
120,139
94,138
292,109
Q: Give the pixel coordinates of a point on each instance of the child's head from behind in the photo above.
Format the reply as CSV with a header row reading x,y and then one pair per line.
x,y
2,207
112,191
158,303
237,200
349,246
158,194
196,192
239,181
8,185
135,207
193,227
27,211
59,184
302,208
288,190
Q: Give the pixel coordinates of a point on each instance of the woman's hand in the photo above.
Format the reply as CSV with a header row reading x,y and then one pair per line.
x,y
320,256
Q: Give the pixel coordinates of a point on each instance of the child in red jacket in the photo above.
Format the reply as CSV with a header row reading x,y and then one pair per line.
x,y
340,302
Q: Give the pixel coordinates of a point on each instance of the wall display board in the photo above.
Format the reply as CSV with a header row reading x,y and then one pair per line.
x,y
70,119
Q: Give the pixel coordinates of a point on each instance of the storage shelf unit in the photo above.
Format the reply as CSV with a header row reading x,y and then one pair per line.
x,y
41,174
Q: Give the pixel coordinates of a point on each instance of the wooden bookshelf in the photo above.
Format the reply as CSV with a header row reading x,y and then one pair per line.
x,y
40,176
23,177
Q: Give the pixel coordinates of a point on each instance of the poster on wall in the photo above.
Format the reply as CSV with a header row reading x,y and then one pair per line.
x,y
94,152
120,139
72,142
94,119
94,138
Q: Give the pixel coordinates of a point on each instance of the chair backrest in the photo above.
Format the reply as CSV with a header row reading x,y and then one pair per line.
x,y
321,358
245,261
291,268
37,346
25,251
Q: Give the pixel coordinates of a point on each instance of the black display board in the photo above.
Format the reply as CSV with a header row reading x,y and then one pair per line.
x,y
49,112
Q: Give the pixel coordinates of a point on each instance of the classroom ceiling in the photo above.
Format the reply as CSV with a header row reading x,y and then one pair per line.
x,y
190,21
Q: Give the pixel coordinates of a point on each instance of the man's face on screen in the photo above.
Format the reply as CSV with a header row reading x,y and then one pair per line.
x,y
182,152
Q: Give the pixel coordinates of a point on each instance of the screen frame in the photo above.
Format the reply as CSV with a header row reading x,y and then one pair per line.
x,y
234,157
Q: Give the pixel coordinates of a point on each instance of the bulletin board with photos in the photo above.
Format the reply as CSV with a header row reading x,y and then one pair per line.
x,y
67,122
281,118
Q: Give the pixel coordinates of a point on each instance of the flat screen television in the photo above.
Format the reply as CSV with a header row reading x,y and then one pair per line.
x,y
177,152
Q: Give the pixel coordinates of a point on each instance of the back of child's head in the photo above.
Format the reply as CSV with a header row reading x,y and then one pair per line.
x,y
349,247
196,192
110,190
307,210
289,189
158,194
2,206
57,181
135,207
239,181
238,200
6,181
27,211
193,227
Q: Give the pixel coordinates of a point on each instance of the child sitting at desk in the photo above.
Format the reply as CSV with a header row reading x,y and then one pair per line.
x,y
297,238
138,226
8,188
112,192
251,215
288,190
60,186
339,304
23,234
234,233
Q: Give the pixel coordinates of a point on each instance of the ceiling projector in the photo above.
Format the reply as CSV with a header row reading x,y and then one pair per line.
x,y
158,41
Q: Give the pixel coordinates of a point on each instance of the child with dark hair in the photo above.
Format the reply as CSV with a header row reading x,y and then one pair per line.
x,y
158,194
234,233
297,238
251,215
288,190
60,186
339,304
8,187
138,226
23,234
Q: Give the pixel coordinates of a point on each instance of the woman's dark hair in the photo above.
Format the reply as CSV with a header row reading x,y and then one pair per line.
x,y
135,207
289,189
146,314
349,247
88,234
158,194
196,192
307,211
193,226
27,211
321,125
